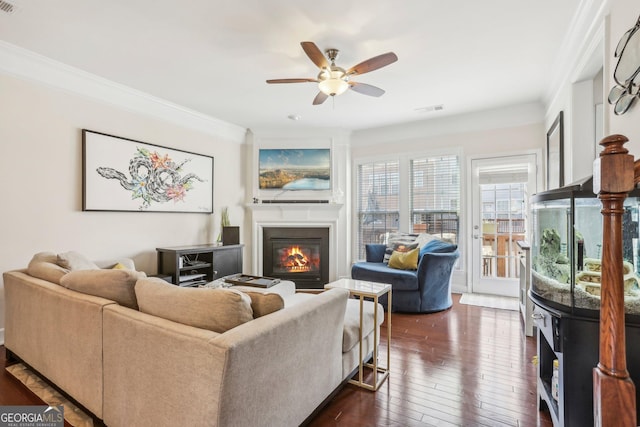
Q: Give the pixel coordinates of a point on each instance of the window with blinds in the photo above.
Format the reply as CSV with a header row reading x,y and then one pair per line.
x,y
378,209
435,196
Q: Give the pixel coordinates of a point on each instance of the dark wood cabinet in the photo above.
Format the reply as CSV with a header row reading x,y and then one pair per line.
x,y
573,341
197,264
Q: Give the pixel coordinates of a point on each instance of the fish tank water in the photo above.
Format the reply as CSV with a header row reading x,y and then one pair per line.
x,y
566,250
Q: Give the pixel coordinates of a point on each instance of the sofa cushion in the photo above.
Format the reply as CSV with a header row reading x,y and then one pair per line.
x,y
265,303
115,285
44,266
437,246
122,263
217,310
76,261
404,260
350,337
403,280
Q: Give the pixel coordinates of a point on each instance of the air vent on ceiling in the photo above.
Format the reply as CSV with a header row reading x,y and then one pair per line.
x,y
428,109
7,7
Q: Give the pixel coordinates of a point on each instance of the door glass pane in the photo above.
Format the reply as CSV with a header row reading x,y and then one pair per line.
x,y
503,224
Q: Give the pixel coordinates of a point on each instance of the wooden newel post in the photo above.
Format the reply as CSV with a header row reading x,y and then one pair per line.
x,y
614,395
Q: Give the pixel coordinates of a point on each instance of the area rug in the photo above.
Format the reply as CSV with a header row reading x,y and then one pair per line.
x,y
491,301
72,414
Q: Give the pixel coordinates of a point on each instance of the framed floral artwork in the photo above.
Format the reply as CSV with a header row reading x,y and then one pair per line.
x,y
121,174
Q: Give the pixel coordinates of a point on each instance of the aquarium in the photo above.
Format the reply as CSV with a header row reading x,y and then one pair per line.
x,y
566,249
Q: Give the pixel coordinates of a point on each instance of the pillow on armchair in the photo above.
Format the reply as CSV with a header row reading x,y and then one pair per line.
x,y
400,248
399,242
404,260
437,246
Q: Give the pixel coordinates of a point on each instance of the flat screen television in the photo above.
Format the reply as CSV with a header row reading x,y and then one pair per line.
x,y
294,169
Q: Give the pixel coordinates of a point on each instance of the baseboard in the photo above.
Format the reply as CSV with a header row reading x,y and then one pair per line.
x,y
457,288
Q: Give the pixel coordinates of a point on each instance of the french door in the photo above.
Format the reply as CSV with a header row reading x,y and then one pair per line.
x,y
501,187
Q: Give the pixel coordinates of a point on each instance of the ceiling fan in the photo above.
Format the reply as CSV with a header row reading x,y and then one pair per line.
x,y
333,80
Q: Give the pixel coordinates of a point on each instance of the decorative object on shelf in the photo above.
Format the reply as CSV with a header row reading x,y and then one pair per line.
x,y
555,153
224,221
230,235
333,80
627,72
121,174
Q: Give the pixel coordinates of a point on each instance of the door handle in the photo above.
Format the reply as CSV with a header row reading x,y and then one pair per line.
x,y
539,316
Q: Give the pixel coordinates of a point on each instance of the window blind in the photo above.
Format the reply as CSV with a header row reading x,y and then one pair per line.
x,y
378,188
435,196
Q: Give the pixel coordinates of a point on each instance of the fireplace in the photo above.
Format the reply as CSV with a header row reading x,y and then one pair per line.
x,y
299,254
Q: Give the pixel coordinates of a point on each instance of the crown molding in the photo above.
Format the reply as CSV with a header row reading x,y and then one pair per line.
x,y
29,65
585,35
496,118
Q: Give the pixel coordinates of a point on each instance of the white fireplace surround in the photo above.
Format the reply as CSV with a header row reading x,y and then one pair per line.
x,y
295,215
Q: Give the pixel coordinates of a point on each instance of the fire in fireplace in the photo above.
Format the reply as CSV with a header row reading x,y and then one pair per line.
x,y
297,254
303,257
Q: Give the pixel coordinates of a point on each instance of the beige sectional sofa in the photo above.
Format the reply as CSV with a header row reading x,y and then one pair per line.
x,y
129,367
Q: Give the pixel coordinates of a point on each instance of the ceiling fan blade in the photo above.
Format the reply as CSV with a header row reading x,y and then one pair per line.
x,y
374,63
366,89
291,80
320,98
314,54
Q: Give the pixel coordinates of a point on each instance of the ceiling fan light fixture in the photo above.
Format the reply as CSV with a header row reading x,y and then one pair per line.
x,y
333,87
333,81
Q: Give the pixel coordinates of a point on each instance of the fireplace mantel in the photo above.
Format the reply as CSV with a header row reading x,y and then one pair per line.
x,y
298,206
294,215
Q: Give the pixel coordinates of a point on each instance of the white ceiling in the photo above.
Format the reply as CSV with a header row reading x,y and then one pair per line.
x,y
213,56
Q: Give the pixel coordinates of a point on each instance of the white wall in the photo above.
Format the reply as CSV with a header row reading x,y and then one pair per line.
x,y
623,16
599,38
41,170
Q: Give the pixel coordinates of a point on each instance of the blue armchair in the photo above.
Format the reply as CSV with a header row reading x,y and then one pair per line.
x,y
425,290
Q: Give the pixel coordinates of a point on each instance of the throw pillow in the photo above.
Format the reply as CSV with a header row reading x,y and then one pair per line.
x,y
399,236
76,261
424,238
44,266
437,246
402,246
399,241
115,285
124,263
217,310
265,303
404,260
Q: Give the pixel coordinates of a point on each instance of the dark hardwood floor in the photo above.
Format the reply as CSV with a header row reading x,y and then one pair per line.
x,y
468,366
